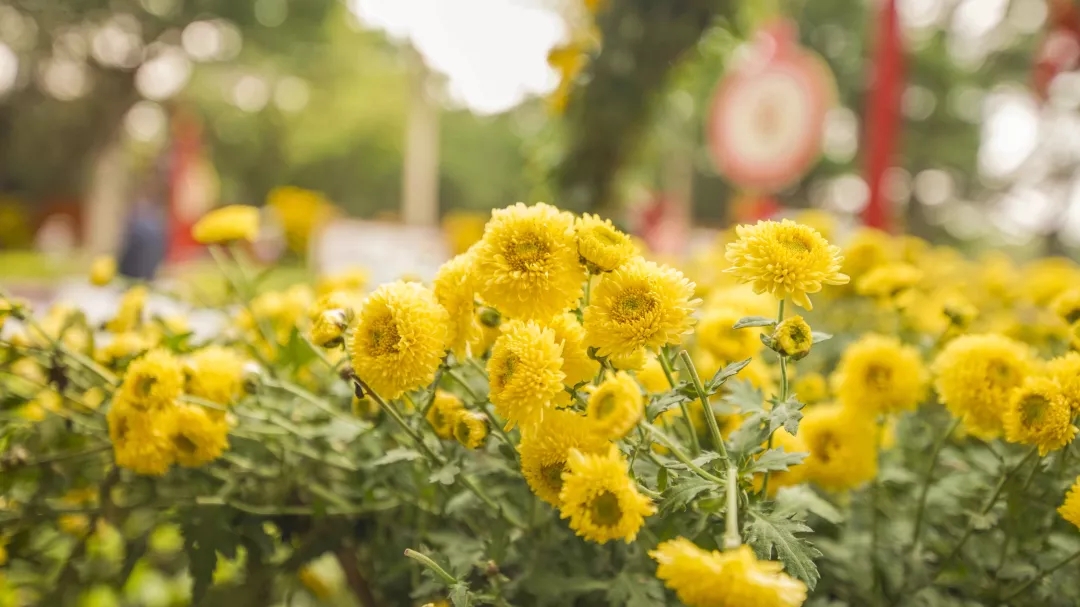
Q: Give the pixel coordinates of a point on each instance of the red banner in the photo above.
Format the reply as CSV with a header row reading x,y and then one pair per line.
x,y
183,190
883,114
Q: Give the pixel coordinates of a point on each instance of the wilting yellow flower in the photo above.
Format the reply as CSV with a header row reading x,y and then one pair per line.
x,y
976,375
570,335
129,312
639,305
103,270
455,290
470,429
1070,510
716,334
1038,414
301,212
352,280
328,330
216,374
792,338
600,499
1066,371
140,439
153,380
889,282
545,447
652,377
603,247
843,447
444,410
525,372
733,578
878,375
785,259
400,338
810,388
527,263
615,406
227,224
197,437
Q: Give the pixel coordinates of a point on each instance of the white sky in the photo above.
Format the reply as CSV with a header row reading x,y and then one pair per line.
x,y
494,52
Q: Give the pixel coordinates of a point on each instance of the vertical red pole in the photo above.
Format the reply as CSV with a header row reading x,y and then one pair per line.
x,y
883,114
184,155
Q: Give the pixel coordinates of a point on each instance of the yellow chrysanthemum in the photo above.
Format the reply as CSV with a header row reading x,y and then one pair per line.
x,y
889,282
227,224
129,312
741,297
716,335
400,338
352,280
197,437
328,330
103,270
153,380
470,429
1038,414
123,346
527,262
793,338
811,388
1045,278
570,335
300,212
603,247
843,447
1067,305
525,372
140,439
1070,510
733,578
629,361
652,377
785,259
867,249
822,221
600,499
444,410
455,291
639,305
976,375
545,447
878,375
1066,371
216,374
615,406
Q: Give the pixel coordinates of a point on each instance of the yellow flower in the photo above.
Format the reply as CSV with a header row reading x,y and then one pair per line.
x,y
976,375
315,582
810,388
129,313
615,406
843,447
1046,278
400,338
444,410
717,336
352,280
463,229
197,437
470,429
867,249
1070,510
216,374
568,60
153,380
328,330
888,282
785,259
1066,371
1039,414
878,375
227,224
121,346
792,338
545,447
570,335
639,305
455,291
600,499
103,270
525,372
140,439
629,361
527,263
301,212
603,247
742,298
74,524
652,377
733,578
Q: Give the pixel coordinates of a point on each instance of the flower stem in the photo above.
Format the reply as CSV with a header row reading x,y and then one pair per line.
x,y
731,515
710,417
664,440
1041,575
928,478
432,565
588,291
665,364
783,393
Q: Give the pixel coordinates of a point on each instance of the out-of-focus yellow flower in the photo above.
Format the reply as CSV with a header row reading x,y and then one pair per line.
x,y
733,578
600,499
1045,278
570,335
103,270
603,247
890,282
463,229
1070,510
444,410
525,372
792,338
328,330
1066,371
716,334
976,375
810,388
470,429
123,345
1067,305
615,406
843,447
822,221
301,213
74,524
1039,414
878,375
129,312
568,60
544,449
153,381
227,224
349,281
455,289
867,249
216,373
652,377
197,437
140,438
629,361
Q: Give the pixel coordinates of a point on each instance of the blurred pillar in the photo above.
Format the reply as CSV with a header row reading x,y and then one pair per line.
x,y
420,177
106,202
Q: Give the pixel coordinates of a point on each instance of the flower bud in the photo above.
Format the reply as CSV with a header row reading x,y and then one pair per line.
x,y
470,429
102,271
792,338
252,377
490,317
329,328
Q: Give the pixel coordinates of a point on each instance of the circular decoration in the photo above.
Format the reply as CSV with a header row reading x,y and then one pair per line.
x,y
768,114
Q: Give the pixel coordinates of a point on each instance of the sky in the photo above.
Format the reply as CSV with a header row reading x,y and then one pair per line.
x,y
493,52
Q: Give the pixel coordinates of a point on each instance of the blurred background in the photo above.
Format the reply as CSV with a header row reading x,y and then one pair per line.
x,y
382,132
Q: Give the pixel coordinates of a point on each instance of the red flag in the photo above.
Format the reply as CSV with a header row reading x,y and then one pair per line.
x,y
883,114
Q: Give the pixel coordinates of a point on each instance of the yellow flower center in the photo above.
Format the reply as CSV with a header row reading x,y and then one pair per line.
x,y
552,475
462,431
1073,315
796,243
507,370
1002,373
879,377
122,429
145,384
1033,409
523,254
384,336
827,444
605,510
606,234
605,405
184,444
632,304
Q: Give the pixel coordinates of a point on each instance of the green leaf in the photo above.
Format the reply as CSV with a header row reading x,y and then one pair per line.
x,y
748,438
745,396
799,499
297,352
206,534
664,402
459,595
683,491
754,321
400,454
775,460
820,337
787,414
770,533
445,475
662,479
725,373
635,590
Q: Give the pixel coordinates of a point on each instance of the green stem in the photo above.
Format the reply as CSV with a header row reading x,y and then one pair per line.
x,y
665,364
664,440
303,394
731,516
920,511
588,290
710,417
783,393
1041,575
432,565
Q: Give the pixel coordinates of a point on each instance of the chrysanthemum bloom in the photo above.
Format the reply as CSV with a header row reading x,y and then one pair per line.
x,y
878,375
400,338
197,437
1066,371
140,438
103,270
470,429
1046,278
785,259
328,330
455,291
733,578
444,410
1070,510
888,282
629,361
867,249
639,305
615,406
600,499
577,366
216,374
545,447
345,301
1067,305
129,311
154,380
603,247
652,378
716,334
527,263
123,346
792,338
349,281
227,224
811,388
843,447
524,372
976,375
1038,414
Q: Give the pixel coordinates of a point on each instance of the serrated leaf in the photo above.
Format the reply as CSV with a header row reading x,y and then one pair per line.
x,y
797,499
706,457
725,373
683,491
787,414
775,460
400,454
664,402
297,352
771,533
743,395
459,595
445,475
635,590
753,431
820,336
205,536
754,321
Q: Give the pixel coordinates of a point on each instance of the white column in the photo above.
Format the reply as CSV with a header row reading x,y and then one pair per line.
x,y
106,201
420,177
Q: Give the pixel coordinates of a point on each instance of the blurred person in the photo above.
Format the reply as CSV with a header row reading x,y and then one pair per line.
x,y
145,233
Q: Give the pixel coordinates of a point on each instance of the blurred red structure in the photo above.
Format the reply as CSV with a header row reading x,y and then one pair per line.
x,y
883,114
183,167
1059,49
